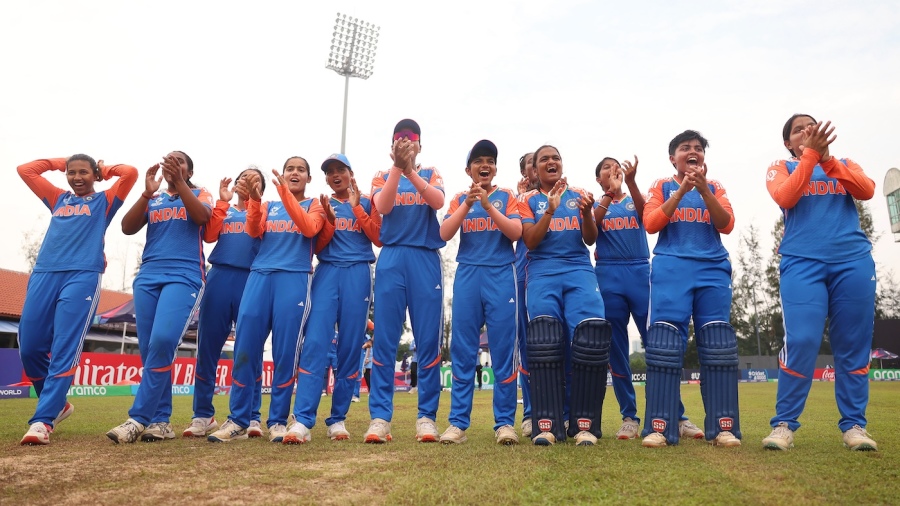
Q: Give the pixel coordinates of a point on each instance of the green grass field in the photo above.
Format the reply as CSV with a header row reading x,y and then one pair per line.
x,y
82,466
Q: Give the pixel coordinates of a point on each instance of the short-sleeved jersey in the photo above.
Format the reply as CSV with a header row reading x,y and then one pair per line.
x,y
481,242
411,222
349,244
284,247
689,232
563,247
174,241
824,224
74,241
621,236
234,246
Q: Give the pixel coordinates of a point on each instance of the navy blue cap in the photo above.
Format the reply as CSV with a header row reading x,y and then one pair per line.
x,y
483,147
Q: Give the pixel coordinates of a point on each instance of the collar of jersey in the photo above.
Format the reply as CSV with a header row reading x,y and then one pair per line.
x,y
547,194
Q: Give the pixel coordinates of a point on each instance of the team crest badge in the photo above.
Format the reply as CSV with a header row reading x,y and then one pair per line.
x,y
545,424
630,206
658,425
497,204
572,203
584,424
273,211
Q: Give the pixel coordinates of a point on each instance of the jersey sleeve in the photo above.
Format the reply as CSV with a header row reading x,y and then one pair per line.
x,y
722,197
309,223
454,205
206,198
436,180
851,177
377,183
654,217
45,190
325,236
512,205
369,222
216,220
525,211
787,188
256,217
126,177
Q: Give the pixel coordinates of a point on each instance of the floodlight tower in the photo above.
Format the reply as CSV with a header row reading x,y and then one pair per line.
x,y
352,55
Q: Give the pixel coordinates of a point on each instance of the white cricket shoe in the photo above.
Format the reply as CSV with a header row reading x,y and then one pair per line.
x,y
687,430
526,427
200,427
337,432
726,439
296,435
38,434
255,429
229,432
66,412
157,431
585,438
654,440
506,435
379,431
426,431
856,438
781,438
128,432
628,430
454,435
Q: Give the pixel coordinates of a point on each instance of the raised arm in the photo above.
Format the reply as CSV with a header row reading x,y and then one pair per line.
x,y
31,174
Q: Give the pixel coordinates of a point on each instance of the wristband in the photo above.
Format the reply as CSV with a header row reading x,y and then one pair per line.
x,y
610,194
148,197
601,205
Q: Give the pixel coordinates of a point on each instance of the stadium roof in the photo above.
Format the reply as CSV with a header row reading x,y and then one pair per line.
x,y
13,285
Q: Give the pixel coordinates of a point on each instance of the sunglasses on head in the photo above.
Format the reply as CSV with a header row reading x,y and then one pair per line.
x,y
409,134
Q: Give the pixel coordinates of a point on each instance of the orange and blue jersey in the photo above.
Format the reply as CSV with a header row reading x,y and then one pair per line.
x,y
349,240
227,228
481,242
411,222
621,237
689,232
78,223
822,199
64,287
563,246
827,273
284,247
172,237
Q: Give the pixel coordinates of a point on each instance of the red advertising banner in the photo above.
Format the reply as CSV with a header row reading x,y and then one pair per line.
x,y
97,369
826,374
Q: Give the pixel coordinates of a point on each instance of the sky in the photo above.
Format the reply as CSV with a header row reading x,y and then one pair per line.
x,y
235,83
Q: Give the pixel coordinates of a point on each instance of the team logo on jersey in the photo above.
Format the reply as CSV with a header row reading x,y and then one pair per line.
x,y
658,425
726,423
542,206
545,424
89,198
157,201
630,206
273,211
770,176
229,214
572,203
584,424
672,193
497,204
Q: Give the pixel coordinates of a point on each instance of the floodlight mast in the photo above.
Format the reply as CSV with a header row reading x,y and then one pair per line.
x,y
352,55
